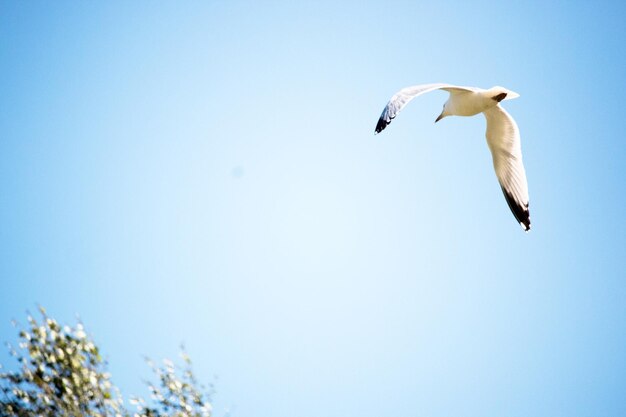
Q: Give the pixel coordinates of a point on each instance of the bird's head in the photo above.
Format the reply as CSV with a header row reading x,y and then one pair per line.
x,y
500,93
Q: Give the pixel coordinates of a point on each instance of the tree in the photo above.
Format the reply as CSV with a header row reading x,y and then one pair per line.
x,y
61,373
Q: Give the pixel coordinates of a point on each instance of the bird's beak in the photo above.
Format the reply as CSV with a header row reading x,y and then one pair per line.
x,y
439,118
511,95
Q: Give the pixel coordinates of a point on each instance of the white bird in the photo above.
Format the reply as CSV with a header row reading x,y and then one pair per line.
x,y
503,136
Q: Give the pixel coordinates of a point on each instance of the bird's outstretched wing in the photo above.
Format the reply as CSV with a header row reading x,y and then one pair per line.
x,y
504,142
402,98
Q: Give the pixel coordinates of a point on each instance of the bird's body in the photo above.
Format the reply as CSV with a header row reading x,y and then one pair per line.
x,y
503,136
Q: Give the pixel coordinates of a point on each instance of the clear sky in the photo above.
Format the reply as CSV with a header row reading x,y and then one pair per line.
x,y
207,173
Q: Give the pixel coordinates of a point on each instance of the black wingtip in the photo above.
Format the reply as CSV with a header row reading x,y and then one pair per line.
x,y
521,212
380,125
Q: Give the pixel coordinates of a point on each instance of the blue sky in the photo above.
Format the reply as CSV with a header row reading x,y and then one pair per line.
x,y
207,173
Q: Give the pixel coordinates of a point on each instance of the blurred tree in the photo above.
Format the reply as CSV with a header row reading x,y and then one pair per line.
x,y
61,373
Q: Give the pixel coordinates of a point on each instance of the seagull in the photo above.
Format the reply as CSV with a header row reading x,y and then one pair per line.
x,y
503,136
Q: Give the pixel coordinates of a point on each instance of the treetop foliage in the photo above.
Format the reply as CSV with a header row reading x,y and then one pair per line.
x,y
62,374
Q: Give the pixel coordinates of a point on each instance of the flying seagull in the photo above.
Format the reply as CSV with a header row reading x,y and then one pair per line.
x,y
502,134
